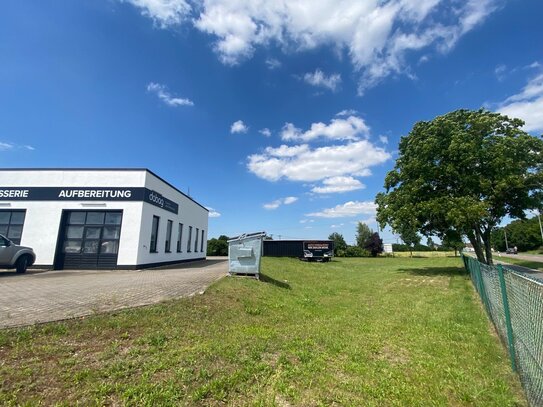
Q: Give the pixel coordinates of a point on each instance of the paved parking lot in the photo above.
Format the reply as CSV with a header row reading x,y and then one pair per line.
x,y
55,295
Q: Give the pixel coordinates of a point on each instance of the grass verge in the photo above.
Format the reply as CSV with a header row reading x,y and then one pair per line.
x,y
371,332
534,265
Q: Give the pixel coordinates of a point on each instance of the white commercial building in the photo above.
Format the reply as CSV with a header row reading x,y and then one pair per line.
x,y
101,218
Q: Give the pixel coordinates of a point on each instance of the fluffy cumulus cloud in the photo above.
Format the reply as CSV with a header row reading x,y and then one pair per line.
x,y
303,163
527,105
376,35
213,213
348,209
337,185
344,128
165,13
278,202
239,127
163,94
319,79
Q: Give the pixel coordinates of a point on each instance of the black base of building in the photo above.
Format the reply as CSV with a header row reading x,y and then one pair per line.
x,y
125,266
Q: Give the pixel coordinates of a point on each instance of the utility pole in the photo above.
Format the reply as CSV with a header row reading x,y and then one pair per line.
x,y
505,234
540,227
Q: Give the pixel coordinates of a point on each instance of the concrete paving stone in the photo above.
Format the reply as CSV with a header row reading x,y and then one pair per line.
x,y
57,295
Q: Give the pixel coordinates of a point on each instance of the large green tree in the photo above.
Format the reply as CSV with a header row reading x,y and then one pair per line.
x,y
339,242
363,233
463,172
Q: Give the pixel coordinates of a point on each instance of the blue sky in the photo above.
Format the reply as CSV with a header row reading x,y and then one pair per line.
x,y
282,116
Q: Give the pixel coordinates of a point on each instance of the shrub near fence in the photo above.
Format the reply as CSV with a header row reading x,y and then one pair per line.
x,y
514,303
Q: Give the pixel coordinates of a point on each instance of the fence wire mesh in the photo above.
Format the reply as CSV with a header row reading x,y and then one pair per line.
x,y
514,304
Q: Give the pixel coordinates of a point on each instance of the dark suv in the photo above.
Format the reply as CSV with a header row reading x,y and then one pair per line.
x,y
14,256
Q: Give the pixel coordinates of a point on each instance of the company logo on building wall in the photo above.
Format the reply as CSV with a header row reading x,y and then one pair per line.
x,y
156,199
88,194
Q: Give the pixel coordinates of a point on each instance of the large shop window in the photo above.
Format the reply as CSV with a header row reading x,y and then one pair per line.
x,y
168,237
11,224
154,234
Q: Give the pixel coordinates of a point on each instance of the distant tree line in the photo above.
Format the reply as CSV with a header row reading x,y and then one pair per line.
x,y
524,234
368,243
218,247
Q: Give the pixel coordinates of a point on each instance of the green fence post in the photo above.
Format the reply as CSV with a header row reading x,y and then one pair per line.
x,y
507,318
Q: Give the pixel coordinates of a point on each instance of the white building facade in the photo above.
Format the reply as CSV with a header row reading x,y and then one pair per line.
x,y
101,218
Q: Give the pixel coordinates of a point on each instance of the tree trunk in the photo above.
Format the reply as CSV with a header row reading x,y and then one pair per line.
x,y
474,238
488,246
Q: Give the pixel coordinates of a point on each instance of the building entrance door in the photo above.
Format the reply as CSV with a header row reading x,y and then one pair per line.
x,y
89,240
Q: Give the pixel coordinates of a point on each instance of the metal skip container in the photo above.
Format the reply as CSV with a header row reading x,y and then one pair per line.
x,y
244,254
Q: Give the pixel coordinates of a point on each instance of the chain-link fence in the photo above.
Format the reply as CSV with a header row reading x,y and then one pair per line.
x,y
514,303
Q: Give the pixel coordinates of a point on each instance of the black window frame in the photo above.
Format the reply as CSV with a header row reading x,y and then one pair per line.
x,y
202,241
196,241
153,246
189,243
179,238
168,242
16,240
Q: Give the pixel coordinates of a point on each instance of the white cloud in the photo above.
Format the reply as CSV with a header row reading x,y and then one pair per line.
x,y
6,146
319,79
350,128
265,132
213,213
278,202
273,63
348,209
307,220
239,127
383,139
164,12
301,163
163,94
338,185
527,105
501,72
347,112
376,35
337,226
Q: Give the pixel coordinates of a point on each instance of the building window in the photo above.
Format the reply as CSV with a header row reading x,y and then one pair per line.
x,y
154,234
168,236
11,225
196,241
179,237
189,239
202,242
94,232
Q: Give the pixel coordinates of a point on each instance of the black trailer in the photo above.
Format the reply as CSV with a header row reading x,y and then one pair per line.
x,y
311,250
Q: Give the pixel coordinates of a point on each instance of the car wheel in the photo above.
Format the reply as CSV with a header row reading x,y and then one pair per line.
x,y
21,264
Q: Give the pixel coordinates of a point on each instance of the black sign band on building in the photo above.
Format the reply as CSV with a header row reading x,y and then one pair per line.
x,y
87,194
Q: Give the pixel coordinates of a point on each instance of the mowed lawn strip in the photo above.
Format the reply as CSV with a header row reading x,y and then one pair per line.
x,y
372,332
534,265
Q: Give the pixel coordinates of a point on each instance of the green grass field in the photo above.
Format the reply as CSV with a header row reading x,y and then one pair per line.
x,y
431,254
355,332
534,265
